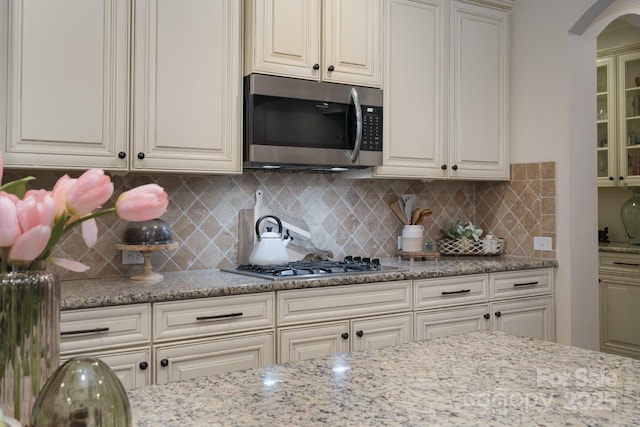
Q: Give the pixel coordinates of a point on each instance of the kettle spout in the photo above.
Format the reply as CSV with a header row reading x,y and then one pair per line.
x,y
287,238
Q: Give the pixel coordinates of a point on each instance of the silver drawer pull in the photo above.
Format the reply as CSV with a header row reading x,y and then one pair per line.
x,y
626,263
85,331
464,291
526,284
220,316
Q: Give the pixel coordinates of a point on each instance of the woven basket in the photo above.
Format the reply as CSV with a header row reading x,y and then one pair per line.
x,y
483,247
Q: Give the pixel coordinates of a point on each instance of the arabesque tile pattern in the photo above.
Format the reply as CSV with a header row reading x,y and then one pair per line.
x,y
344,216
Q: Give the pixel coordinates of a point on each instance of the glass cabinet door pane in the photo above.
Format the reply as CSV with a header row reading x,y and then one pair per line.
x,y
633,161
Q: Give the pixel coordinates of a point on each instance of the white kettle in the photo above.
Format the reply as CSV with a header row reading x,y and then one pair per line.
x,y
271,248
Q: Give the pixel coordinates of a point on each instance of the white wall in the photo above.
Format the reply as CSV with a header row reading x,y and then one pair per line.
x,y
553,118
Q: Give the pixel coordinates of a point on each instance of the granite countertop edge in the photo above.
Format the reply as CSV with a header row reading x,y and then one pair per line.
x,y
104,292
619,247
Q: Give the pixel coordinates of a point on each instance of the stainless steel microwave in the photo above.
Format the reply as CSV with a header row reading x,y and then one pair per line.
x,y
295,124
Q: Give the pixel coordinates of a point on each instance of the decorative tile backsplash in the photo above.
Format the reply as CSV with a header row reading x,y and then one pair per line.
x,y
344,216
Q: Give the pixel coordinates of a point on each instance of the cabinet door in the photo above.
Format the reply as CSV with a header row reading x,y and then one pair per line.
x,y
442,323
607,144
532,317
213,356
414,109
479,95
187,86
312,341
381,332
68,84
132,367
620,315
352,42
283,38
629,119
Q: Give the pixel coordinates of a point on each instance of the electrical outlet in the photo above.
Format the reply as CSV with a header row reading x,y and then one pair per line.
x,y
542,244
132,257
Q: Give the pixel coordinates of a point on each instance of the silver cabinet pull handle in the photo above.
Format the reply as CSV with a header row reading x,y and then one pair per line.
x,y
356,146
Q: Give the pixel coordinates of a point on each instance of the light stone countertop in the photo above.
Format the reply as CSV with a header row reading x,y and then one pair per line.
x,y
87,293
619,247
480,378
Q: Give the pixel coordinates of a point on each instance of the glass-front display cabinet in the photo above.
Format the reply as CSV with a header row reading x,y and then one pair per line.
x,y
606,119
629,125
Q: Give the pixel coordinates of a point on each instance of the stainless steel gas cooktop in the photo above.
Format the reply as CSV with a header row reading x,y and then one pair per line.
x,y
313,269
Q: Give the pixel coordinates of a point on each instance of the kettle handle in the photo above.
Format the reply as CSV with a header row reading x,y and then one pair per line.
x,y
268,216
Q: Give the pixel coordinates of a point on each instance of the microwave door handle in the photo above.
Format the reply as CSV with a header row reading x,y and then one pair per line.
x,y
358,141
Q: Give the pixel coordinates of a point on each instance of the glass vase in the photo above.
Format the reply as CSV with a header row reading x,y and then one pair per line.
x,y
630,214
30,334
84,392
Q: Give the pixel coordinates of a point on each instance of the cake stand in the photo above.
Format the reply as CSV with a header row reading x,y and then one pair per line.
x,y
147,275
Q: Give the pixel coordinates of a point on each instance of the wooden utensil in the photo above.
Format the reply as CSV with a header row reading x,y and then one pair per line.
x,y
415,216
397,210
423,215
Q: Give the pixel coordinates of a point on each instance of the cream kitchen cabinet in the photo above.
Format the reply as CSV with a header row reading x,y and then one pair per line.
x,y
518,303
619,277
323,321
316,340
618,120
132,367
446,82
200,337
120,336
337,41
149,85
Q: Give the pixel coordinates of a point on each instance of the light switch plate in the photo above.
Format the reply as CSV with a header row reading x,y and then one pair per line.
x,y
542,244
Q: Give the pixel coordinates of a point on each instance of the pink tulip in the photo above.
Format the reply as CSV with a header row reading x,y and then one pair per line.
x,y
89,192
9,225
90,232
29,245
76,266
59,194
37,208
142,203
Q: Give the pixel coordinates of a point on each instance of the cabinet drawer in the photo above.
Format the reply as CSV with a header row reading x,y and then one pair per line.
x,y
318,304
429,293
97,328
210,316
521,283
620,263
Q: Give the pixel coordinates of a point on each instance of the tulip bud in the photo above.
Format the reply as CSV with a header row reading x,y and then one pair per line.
x,y
142,203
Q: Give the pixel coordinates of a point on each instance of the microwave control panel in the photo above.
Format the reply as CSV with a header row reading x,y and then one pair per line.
x,y
371,128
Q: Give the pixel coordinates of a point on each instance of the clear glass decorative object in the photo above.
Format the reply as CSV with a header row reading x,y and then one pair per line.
x,y
29,337
83,392
630,214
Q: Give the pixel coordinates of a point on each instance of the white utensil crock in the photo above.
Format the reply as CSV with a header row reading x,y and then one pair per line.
x,y
413,238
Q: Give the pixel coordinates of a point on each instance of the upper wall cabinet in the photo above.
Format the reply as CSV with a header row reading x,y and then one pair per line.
x,y
338,41
76,100
446,83
618,120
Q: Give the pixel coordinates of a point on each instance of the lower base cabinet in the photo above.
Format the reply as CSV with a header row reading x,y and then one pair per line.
x,y
309,341
620,315
442,323
132,367
203,337
200,358
532,317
